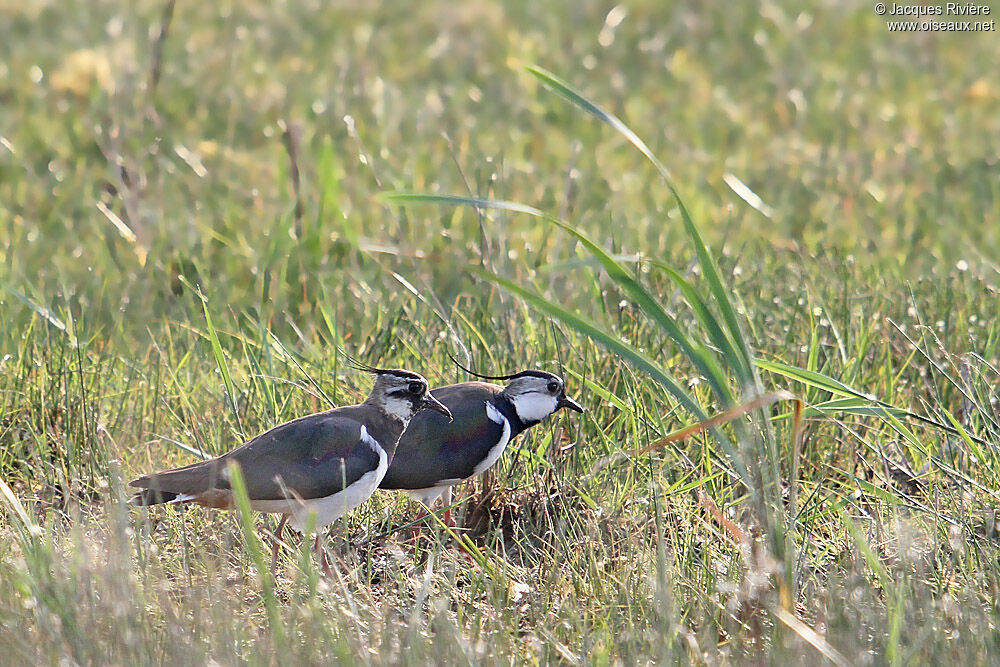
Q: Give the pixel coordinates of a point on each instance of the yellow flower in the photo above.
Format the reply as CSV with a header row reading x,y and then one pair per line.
x,y
208,149
979,91
81,71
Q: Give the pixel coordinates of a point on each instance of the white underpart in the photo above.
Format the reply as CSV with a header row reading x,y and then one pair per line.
x,y
496,451
332,507
400,408
181,498
429,495
534,406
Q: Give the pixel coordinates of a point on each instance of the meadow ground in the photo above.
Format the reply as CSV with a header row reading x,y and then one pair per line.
x,y
193,220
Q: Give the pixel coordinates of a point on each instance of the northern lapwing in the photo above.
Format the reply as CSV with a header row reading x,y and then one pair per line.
x,y
325,464
434,454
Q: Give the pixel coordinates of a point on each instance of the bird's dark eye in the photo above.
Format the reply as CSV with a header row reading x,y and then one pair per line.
x,y
416,388
553,387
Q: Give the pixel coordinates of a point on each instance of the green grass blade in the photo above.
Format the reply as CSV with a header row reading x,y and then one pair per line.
x,y
220,361
45,314
706,318
703,360
697,352
455,200
709,268
256,551
601,391
628,352
881,408
609,341
567,92
812,379
973,446
720,293
700,355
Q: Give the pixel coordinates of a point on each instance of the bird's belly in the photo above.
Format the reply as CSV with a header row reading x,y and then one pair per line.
x,y
328,508
432,493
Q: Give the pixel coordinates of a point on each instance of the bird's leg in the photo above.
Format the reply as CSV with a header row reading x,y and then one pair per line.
x,y
447,513
318,548
448,521
276,539
413,532
324,562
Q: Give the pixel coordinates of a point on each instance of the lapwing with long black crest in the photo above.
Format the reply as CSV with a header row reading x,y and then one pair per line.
x,y
322,465
434,454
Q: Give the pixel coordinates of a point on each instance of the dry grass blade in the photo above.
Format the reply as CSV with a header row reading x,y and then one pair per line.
x,y
720,419
27,526
812,637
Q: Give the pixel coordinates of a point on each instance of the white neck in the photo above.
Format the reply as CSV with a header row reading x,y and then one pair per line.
x,y
534,406
398,408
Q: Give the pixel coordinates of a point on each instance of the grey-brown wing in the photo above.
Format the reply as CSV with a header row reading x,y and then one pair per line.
x,y
310,457
432,448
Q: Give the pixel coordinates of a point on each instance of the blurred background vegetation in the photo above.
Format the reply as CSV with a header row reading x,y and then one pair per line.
x,y
174,175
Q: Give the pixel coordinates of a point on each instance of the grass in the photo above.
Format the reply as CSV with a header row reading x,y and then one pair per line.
x,y
196,213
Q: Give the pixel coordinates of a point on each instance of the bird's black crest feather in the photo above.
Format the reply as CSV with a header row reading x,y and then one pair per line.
x,y
361,366
512,376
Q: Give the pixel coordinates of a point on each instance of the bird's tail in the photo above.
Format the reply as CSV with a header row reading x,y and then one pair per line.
x,y
153,497
180,485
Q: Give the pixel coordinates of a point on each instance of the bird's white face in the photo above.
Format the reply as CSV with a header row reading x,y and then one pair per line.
x,y
401,394
535,397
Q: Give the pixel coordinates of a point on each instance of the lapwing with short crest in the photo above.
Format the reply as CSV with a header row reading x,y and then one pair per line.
x,y
434,454
322,465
